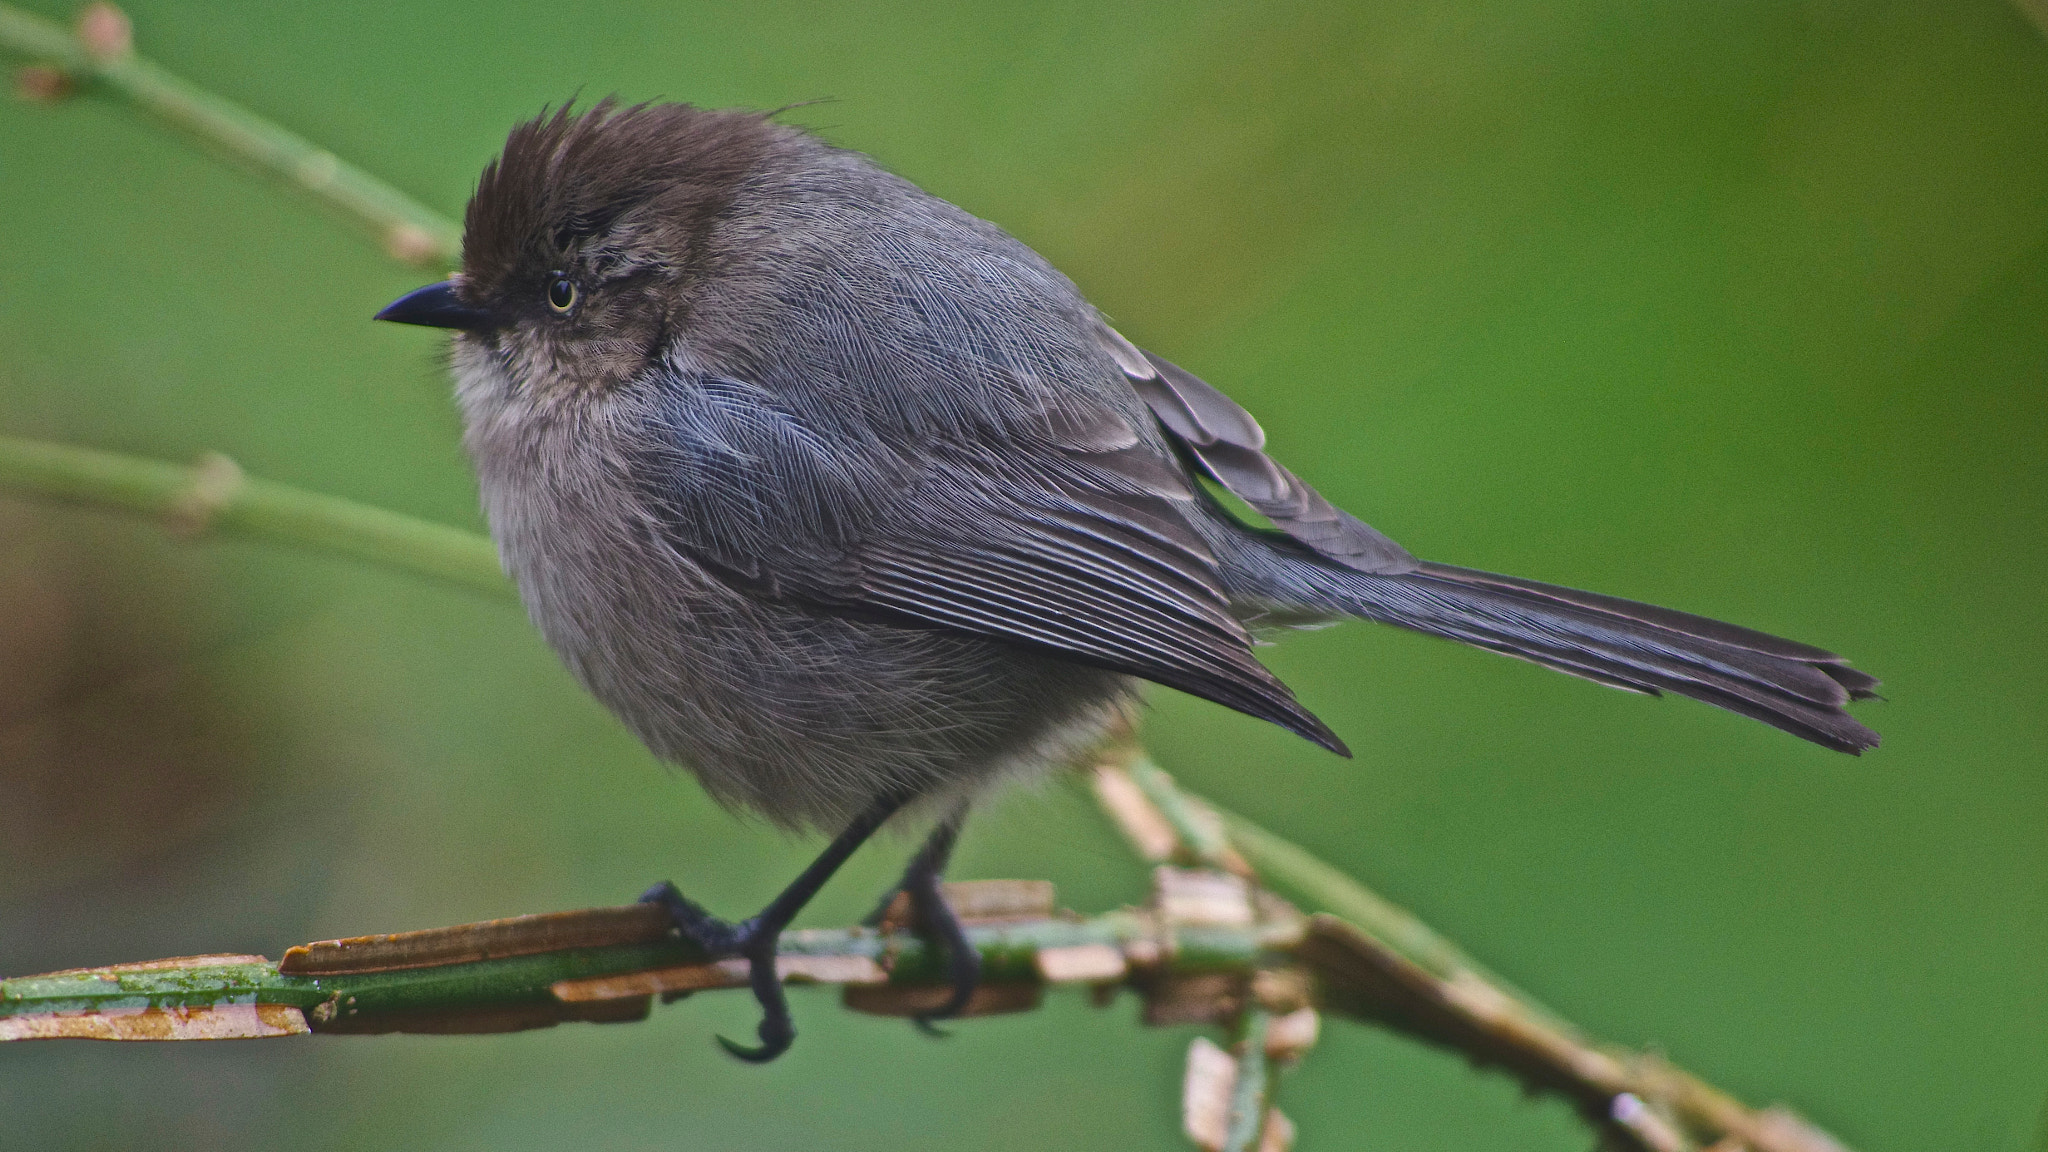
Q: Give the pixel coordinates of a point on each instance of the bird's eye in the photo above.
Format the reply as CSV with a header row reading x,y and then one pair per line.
x,y
561,293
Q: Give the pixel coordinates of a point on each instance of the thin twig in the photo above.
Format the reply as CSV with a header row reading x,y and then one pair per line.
x,y
602,964
1320,886
1216,836
1199,830
214,495
1414,981
102,58
1248,1095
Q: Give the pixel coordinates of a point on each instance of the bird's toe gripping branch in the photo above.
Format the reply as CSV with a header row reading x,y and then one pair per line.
x,y
751,940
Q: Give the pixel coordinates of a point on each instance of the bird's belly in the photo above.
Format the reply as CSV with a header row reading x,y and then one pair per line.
x,y
798,715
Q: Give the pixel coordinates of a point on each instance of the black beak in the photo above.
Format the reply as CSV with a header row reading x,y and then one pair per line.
x,y
436,307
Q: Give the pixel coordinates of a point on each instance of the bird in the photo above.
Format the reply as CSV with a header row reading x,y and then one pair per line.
x,y
849,503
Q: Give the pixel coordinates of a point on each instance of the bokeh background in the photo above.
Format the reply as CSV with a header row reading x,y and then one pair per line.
x,y
1737,306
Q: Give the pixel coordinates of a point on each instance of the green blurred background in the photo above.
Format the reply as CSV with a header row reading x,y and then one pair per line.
x,y
1737,306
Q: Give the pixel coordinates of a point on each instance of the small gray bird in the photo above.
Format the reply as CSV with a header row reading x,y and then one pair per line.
x,y
849,503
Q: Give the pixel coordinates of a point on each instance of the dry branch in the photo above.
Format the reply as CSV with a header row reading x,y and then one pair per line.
x,y
607,964
1399,974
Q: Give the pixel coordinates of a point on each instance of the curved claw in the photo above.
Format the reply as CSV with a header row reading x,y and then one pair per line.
x,y
768,1050
966,978
747,938
963,963
776,1030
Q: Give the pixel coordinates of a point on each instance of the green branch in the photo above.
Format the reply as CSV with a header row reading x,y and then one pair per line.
x,y
1387,967
101,57
1250,1096
1189,954
1209,835
215,495
607,964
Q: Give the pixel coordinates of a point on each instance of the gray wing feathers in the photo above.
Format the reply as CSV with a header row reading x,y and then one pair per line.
x,y
1227,444
1078,543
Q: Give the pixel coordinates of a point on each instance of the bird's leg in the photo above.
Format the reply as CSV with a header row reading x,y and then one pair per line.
x,y
754,938
935,918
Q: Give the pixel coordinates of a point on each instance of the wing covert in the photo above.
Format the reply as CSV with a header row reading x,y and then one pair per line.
x,y
1228,444
1075,542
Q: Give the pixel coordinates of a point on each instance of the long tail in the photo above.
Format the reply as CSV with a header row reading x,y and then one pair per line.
x,y
1620,643
1318,560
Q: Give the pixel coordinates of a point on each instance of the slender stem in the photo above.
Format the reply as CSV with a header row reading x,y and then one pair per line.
x,y
38,39
1321,886
1223,839
1200,834
1376,962
410,230
1248,1094
214,494
565,966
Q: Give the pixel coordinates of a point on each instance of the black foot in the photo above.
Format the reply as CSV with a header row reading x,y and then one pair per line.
x,y
749,938
777,1029
935,921
755,938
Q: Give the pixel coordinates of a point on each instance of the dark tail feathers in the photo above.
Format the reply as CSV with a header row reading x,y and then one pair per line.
x,y
1623,644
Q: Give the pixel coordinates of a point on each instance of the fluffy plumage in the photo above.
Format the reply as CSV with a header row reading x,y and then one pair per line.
x,y
829,488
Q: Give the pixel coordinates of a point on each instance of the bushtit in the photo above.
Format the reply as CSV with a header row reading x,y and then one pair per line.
x,y
849,503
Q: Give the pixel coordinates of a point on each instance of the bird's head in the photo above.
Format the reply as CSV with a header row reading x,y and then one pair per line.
x,y
586,237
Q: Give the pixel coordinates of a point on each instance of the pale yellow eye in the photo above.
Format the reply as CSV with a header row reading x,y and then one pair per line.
x,y
561,293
